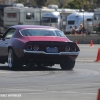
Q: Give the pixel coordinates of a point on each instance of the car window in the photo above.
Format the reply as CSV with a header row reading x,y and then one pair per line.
x,y
37,32
42,32
10,33
60,33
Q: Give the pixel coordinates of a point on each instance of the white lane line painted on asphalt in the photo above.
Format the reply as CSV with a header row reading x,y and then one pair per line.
x,y
19,89
6,72
85,60
30,91
67,92
84,84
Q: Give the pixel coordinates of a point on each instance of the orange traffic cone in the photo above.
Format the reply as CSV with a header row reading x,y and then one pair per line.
x,y
98,97
76,42
91,43
98,55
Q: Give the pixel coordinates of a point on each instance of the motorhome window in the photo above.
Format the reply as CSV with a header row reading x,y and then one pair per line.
x,y
54,20
11,15
29,15
71,22
45,19
97,17
49,19
89,19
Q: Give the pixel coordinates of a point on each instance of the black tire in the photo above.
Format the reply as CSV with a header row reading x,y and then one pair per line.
x,y
13,61
67,65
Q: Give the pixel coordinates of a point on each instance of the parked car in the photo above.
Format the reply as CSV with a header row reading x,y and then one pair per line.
x,y
37,45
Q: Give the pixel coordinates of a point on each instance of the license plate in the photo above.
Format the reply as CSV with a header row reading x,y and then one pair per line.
x,y
51,49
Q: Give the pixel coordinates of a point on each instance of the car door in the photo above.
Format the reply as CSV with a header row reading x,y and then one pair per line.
x,y
5,41
2,45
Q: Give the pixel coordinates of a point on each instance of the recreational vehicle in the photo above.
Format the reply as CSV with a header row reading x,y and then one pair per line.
x,y
53,7
64,13
57,18
23,15
51,19
96,20
77,18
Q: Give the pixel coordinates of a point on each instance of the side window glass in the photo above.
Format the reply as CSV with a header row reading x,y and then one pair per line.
x,y
29,16
11,15
10,33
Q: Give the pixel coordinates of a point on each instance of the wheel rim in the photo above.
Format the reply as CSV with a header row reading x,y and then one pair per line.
x,y
10,58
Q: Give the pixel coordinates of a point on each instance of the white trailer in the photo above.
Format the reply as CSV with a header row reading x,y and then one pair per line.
x,y
23,15
78,18
64,14
51,19
57,18
96,19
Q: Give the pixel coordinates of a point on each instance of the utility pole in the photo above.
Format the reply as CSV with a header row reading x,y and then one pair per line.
x,y
83,13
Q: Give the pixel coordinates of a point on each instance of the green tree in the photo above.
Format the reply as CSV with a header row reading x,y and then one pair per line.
x,y
75,4
41,2
32,2
97,3
79,4
61,3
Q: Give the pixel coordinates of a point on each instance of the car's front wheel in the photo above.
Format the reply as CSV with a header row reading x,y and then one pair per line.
x,y
67,65
13,61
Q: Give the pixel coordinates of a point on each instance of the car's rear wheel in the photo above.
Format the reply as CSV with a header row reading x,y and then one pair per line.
x,y
67,65
13,61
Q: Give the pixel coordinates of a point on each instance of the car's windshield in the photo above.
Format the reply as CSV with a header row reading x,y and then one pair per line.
x,y
42,32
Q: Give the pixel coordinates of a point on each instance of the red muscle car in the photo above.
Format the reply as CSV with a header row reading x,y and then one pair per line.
x,y
37,45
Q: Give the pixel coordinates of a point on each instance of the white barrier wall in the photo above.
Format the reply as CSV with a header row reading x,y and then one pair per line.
x,y
85,39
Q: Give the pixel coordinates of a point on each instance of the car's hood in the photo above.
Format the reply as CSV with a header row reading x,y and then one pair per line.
x,y
48,38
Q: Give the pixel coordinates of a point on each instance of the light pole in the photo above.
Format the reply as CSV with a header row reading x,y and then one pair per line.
x,y
83,13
